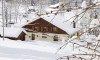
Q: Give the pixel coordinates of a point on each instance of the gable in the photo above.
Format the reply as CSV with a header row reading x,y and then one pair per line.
x,y
44,23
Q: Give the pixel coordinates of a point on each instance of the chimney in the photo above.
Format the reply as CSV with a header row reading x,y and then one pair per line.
x,y
74,24
95,16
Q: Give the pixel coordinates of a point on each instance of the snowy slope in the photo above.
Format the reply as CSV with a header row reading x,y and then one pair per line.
x,y
34,50
42,50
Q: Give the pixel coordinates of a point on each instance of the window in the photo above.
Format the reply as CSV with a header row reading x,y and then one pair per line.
x,y
35,29
54,29
44,29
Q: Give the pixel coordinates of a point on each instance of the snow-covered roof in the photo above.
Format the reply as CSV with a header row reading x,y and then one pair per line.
x,y
11,32
56,5
31,7
69,16
57,21
51,10
94,23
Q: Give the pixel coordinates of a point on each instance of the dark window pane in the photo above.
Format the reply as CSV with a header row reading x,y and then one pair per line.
x,y
35,29
44,29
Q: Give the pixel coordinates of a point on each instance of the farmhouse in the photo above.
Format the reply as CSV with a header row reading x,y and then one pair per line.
x,y
13,33
44,28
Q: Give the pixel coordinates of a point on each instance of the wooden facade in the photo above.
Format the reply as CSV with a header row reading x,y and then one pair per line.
x,y
20,37
41,25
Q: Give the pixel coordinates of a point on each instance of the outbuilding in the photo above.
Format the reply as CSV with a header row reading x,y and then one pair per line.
x,y
13,33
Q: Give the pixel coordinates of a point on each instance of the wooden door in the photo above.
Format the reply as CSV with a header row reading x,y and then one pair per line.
x,y
33,36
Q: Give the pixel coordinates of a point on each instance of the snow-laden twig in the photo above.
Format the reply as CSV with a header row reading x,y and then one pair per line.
x,y
87,47
73,38
94,50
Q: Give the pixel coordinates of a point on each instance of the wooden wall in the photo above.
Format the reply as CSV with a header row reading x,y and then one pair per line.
x,y
40,23
22,36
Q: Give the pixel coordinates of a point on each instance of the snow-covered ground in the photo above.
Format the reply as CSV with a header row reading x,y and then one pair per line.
x,y
28,50
44,50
